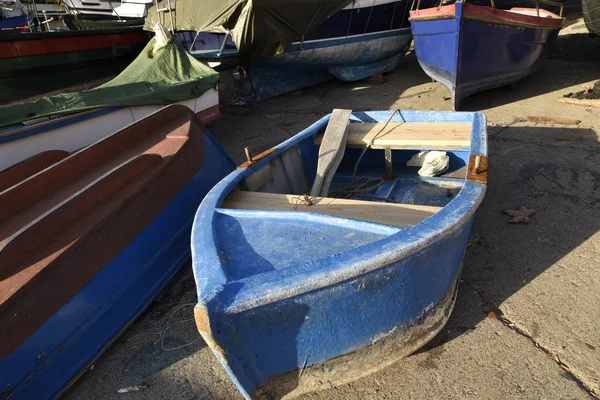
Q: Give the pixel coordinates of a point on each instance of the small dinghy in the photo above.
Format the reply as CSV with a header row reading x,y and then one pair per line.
x,y
470,48
317,264
89,241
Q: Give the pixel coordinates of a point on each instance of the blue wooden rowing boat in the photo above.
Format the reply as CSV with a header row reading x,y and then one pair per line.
x,y
88,242
470,48
298,292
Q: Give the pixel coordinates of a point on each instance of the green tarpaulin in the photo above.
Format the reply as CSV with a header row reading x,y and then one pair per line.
x,y
259,28
157,76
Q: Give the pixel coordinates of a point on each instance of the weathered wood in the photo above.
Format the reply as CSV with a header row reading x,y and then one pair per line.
x,y
331,151
395,214
411,135
580,102
553,120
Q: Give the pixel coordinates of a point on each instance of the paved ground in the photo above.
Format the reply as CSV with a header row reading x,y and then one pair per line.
x,y
540,280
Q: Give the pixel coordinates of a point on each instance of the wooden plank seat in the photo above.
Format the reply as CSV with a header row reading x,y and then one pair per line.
x,y
61,226
410,135
395,214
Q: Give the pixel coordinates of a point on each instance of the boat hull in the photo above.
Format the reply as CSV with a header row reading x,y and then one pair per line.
x,y
468,49
22,53
59,351
368,359
591,16
345,331
347,59
285,318
358,42
76,131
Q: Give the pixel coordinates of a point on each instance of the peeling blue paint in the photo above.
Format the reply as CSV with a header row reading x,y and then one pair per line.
x,y
308,288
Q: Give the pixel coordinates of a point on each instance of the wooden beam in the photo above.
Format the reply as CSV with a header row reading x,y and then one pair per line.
x,y
331,151
580,102
411,135
394,214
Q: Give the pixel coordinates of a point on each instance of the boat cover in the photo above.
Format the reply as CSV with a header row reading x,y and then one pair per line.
x,y
162,75
259,28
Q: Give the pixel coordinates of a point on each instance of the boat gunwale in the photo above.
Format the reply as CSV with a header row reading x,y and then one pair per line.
x,y
489,15
279,284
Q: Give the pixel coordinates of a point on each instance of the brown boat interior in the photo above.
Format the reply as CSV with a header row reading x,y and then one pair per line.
x,y
65,216
272,188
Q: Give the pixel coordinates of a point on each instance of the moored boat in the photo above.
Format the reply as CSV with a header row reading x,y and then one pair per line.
x,y
469,48
318,264
591,15
68,122
88,242
277,50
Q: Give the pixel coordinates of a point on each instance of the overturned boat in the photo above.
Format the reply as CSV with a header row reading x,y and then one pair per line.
x,y
263,51
470,48
330,256
591,16
88,242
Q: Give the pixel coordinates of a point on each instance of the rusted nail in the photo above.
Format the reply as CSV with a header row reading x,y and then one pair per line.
x,y
475,170
248,155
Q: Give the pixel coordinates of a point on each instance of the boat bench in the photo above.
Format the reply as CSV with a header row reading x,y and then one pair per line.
x,y
394,214
410,135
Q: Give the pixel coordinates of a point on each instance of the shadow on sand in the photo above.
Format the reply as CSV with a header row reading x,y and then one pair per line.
x,y
551,170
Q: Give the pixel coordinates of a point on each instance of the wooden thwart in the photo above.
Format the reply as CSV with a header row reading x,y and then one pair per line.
x,y
331,151
395,214
411,135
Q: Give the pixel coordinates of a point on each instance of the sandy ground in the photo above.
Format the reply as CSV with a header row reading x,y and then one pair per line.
x,y
540,280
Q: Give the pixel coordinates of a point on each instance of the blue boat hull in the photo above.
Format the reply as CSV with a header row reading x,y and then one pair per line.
x,y
354,44
54,356
469,56
294,301
14,22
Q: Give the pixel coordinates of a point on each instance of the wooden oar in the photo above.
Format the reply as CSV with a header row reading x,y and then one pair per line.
x,y
331,151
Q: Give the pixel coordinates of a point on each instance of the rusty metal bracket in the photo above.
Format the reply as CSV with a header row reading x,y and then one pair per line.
x,y
477,170
253,160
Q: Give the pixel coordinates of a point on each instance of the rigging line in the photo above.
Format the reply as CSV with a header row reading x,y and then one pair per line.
x,y
394,15
368,20
348,28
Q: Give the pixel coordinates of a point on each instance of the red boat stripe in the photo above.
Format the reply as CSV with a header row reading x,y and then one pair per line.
x,y
24,48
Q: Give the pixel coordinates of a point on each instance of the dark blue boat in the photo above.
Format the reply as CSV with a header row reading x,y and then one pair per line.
x,y
297,292
361,40
469,48
88,242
